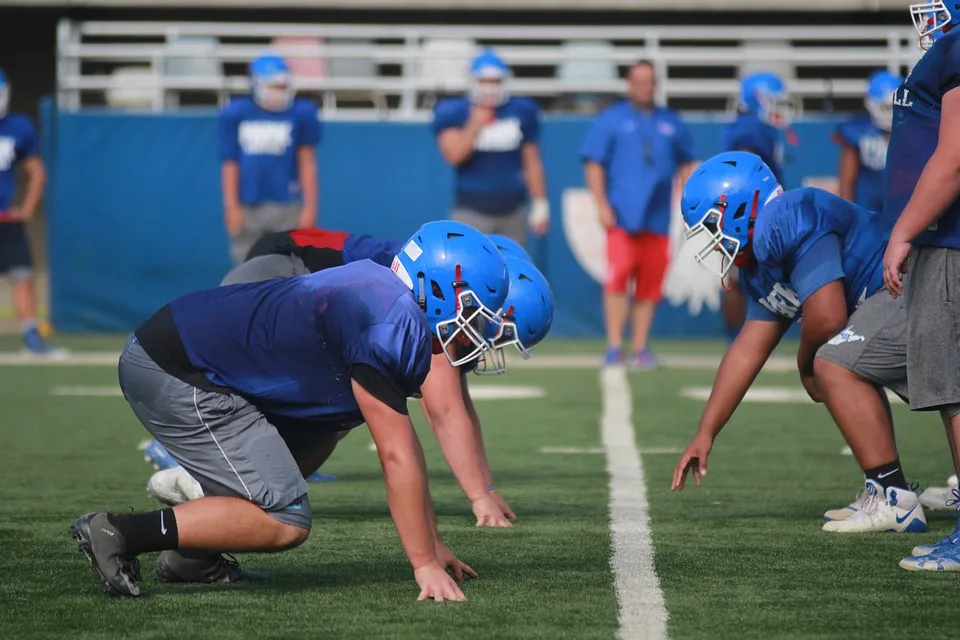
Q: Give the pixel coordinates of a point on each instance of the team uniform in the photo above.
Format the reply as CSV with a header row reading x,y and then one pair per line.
x,y
210,373
491,194
870,144
264,145
18,141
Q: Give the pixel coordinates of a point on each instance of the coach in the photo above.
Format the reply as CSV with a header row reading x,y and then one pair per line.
x,y
632,155
491,139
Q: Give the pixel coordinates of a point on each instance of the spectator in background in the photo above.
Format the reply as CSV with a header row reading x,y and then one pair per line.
x,y
633,154
864,143
491,139
19,146
764,115
269,158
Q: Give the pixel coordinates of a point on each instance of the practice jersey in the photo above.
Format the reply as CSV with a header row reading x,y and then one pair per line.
x,y
18,141
291,346
916,130
264,144
491,179
802,241
870,144
749,133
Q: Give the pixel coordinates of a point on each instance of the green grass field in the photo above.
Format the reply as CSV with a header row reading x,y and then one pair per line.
x,y
742,557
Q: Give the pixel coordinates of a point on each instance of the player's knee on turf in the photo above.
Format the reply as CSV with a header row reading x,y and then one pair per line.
x,y
296,519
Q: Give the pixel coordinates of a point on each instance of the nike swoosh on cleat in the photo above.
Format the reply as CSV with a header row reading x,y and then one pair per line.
x,y
163,529
904,518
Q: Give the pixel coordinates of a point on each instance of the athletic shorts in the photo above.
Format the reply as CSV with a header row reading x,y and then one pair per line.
x,y
932,292
642,257
259,220
513,224
221,439
16,261
874,343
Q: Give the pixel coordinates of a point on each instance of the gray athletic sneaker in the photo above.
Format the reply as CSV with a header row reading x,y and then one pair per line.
x,y
106,549
192,566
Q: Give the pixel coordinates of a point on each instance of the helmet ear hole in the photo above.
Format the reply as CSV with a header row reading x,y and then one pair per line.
x,y
437,291
741,210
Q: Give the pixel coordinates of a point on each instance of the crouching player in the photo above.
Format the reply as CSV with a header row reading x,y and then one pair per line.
x,y
446,399
807,252
337,348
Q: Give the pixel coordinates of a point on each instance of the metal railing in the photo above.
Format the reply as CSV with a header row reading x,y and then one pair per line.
x,y
88,52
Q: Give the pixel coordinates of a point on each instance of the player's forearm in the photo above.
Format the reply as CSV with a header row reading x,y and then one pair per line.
x,y
456,145
307,164
36,180
848,174
937,188
533,174
230,184
409,499
596,179
478,435
459,444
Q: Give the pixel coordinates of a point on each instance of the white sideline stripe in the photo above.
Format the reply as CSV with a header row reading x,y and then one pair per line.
x,y
583,450
794,395
642,611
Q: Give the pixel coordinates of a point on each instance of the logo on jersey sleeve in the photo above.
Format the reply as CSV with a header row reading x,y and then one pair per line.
x,y
8,153
873,152
260,138
782,301
502,135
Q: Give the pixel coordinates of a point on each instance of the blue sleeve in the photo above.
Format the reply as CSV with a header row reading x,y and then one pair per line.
x,y
844,135
229,124
598,145
683,143
756,311
308,126
530,124
821,264
446,115
27,144
741,137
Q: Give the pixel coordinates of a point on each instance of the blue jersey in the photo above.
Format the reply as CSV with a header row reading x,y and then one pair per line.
x,y
640,152
264,144
916,130
804,240
289,345
362,247
18,141
491,180
870,143
749,133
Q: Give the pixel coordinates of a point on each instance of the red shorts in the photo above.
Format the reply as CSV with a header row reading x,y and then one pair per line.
x,y
643,256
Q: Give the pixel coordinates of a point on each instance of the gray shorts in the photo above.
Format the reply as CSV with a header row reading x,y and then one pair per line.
x,y
932,292
874,343
222,440
512,225
260,219
266,268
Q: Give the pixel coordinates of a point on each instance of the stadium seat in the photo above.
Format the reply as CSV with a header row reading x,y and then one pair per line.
x,y
131,88
444,67
584,61
355,68
187,60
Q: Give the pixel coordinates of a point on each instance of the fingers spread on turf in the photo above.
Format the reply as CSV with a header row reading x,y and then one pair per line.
x,y
468,570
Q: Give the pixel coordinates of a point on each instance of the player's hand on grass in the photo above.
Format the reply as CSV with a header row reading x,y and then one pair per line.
x,y
453,563
894,264
694,459
488,513
234,220
504,507
436,584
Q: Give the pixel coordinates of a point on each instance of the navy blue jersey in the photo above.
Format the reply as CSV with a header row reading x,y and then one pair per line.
x,y
916,130
749,133
362,247
290,345
870,144
802,241
18,141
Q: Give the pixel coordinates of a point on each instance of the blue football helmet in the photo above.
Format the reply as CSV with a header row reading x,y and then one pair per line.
x,y
879,99
460,281
933,19
272,83
527,315
510,247
765,94
489,75
4,93
722,199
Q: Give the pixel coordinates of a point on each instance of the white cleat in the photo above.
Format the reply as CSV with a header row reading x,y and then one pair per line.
x,y
940,498
173,486
845,512
892,511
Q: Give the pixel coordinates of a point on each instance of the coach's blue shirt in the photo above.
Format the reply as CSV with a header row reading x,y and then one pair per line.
x,y
18,141
870,144
916,130
362,247
288,345
804,240
749,133
640,152
491,180
264,144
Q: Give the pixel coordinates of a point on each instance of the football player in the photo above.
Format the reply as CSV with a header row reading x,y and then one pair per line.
x,y
336,348
923,200
807,252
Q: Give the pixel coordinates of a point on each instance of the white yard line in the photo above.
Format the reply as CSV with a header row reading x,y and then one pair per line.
x,y
646,451
643,614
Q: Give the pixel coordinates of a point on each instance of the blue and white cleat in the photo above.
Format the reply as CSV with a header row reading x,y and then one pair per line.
x,y
945,557
155,454
34,345
845,512
892,511
941,498
316,476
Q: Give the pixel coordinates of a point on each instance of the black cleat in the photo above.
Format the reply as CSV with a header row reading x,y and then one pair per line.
x,y
106,549
181,566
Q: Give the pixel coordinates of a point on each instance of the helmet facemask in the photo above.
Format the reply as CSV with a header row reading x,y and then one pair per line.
x,y
717,242
494,360
273,93
778,109
467,331
931,20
